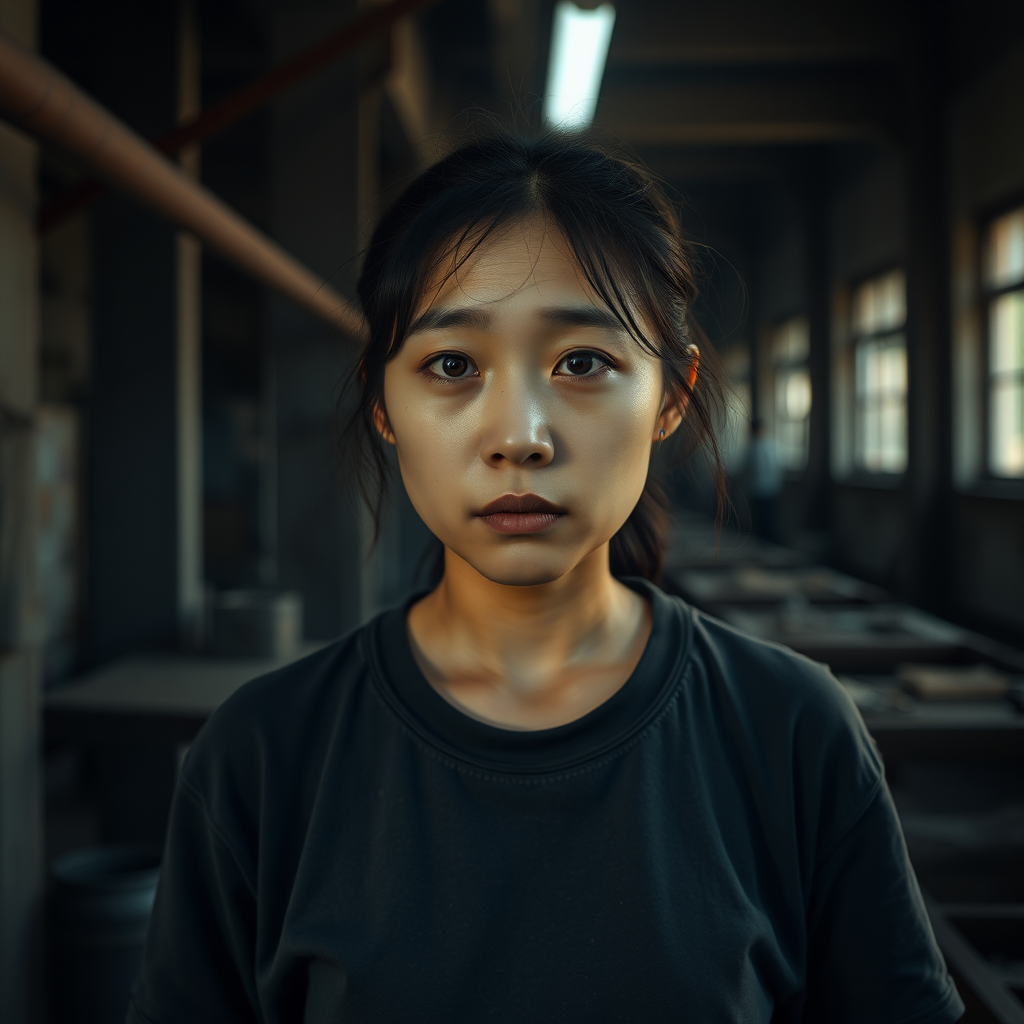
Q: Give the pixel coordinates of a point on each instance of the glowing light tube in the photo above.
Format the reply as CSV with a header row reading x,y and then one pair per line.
x,y
579,48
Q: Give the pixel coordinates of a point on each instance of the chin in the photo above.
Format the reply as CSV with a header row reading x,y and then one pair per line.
x,y
533,569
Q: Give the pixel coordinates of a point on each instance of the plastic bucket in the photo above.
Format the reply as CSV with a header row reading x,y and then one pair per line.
x,y
100,902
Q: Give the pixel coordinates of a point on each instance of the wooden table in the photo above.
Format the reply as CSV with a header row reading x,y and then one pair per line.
x,y
990,731
873,638
755,585
159,698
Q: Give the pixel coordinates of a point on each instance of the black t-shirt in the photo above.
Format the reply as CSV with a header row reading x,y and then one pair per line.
x,y
715,844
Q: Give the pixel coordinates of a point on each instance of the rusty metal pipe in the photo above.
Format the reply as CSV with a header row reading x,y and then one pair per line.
x,y
251,97
41,101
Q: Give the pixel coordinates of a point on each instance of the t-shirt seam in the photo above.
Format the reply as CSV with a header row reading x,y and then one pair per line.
x,y
216,831
540,777
847,827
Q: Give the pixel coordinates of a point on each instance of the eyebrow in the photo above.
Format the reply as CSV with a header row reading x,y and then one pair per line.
x,y
583,316
442,318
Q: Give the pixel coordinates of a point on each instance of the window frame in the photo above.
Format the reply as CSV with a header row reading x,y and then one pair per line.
x,y
859,471
987,295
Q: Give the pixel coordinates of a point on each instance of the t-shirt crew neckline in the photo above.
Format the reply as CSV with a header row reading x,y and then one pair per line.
x,y
598,733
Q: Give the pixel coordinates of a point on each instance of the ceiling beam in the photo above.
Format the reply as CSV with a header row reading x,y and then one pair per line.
x,y
750,112
651,33
684,166
755,52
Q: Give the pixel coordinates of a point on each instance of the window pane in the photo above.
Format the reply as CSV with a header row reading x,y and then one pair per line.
x,y
1004,256
1006,332
868,366
880,304
892,300
798,395
737,407
871,439
881,380
1006,425
892,369
791,440
792,408
892,453
864,309
791,342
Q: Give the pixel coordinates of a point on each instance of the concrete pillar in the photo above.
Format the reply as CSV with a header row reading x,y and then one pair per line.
x,y
143,439
21,846
315,172
816,489
924,572
143,521
189,351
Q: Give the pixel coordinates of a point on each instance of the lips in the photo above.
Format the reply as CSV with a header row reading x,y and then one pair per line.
x,y
520,513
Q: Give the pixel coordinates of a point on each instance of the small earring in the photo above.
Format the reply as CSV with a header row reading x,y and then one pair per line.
x,y
661,433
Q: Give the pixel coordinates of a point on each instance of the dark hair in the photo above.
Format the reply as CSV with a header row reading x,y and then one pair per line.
x,y
626,238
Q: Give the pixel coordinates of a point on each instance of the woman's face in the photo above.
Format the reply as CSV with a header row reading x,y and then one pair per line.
x,y
517,382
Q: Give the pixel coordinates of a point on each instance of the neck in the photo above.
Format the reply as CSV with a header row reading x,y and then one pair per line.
x,y
471,633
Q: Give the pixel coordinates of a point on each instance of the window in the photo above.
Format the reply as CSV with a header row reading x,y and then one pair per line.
x,y
790,348
1004,284
736,429
880,374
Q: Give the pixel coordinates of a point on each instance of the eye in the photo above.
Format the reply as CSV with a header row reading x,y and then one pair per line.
x,y
582,364
451,366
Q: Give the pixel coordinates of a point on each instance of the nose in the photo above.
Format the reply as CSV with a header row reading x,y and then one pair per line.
x,y
517,429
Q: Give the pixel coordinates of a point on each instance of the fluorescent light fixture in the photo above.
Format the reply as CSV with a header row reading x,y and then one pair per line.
x,y
579,48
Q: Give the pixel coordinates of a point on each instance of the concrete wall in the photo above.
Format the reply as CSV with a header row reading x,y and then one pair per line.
x,y
21,868
867,234
315,202
982,545
868,212
986,137
781,284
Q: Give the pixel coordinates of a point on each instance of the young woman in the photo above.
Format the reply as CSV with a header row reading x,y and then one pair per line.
x,y
543,791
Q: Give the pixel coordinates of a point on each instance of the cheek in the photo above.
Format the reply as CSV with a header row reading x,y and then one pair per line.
x,y
428,444
612,445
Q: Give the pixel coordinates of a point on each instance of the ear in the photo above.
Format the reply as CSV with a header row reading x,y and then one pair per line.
x,y
673,408
380,420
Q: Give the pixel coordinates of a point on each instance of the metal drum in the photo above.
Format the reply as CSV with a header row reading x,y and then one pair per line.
x,y
100,902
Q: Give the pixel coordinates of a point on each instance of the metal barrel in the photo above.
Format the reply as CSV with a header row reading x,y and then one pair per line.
x,y
100,903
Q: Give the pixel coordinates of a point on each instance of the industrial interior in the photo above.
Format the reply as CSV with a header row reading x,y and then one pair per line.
x,y
186,188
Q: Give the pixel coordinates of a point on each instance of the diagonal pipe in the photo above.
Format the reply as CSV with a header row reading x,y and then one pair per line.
x,y
244,101
41,101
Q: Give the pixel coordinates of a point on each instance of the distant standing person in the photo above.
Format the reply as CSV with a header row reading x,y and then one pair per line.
x,y
763,479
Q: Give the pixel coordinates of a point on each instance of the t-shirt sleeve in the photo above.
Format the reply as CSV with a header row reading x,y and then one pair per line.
x,y
198,961
872,956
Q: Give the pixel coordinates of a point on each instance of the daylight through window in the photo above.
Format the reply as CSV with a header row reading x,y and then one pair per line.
x,y
880,430
1004,280
790,351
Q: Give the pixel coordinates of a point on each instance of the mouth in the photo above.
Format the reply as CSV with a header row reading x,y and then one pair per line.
x,y
520,513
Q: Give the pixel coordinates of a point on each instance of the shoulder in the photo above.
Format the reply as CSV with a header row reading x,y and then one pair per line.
x,y
789,718
275,726
769,678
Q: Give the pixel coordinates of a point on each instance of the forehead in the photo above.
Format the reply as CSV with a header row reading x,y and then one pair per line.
x,y
525,261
